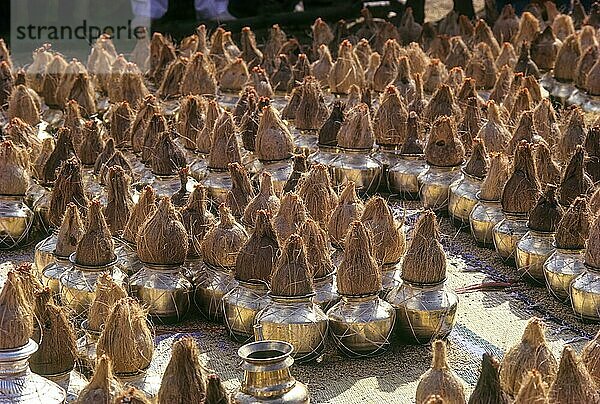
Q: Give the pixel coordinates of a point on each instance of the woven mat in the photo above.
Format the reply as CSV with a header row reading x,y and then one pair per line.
x,y
487,321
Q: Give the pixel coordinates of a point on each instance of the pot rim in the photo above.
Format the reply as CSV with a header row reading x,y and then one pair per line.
x,y
18,353
72,258
284,347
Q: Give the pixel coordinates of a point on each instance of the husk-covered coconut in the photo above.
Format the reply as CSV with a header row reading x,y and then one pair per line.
x,y
502,85
349,209
92,143
223,242
225,147
241,191
322,66
470,124
529,26
440,379
191,120
587,36
107,294
100,388
300,71
566,60
48,145
563,25
204,138
24,135
250,52
131,395
575,180
261,83
312,110
154,129
523,104
133,88
273,45
358,273
574,227
54,71
387,70
299,170
412,143
356,131
35,72
590,357
459,55
404,81
282,76
146,110
57,350
70,232
162,238
493,133
199,76
197,219
482,67
425,259
96,247
330,128
434,76
289,111
547,212
292,275
82,91
126,338
544,49
24,103
592,148
68,187
595,202
14,164
215,391
234,76
170,85
456,77
6,82
16,314
547,169
418,103
531,353
257,257
346,70
290,217
317,249
266,199
113,81
184,378
121,118
507,56
522,188
478,163
389,240
374,62
592,81
273,138
545,121
444,149
143,209
167,158
573,134
105,155
317,193
162,52
483,33
488,389
592,250
441,104
120,203
533,389
573,383
246,102
363,52
389,121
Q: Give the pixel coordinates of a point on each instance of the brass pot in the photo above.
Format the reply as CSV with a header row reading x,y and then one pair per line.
x,y
44,252
164,290
267,377
356,165
463,198
560,269
323,155
127,255
305,140
533,250
38,199
507,234
403,176
78,284
199,167
361,326
86,345
296,320
211,284
20,385
585,294
484,216
16,221
423,311
149,384
166,185
71,382
240,306
326,294
280,172
217,184
52,273
390,277
435,186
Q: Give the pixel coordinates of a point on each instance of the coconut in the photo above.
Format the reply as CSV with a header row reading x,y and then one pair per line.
x,y
105,155
120,203
234,76
444,149
507,24
199,76
197,219
312,111
441,104
190,120
317,249
478,163
42,158
131,395
459,54
169,87
592,148
167,158
274,43
502,85
531,353
283,74
257,256
389,240
483,34
573,383
5,53
250,53
374,62
121,117
417,57
412,144
54,71
127,338
590,358
466,91
266,199
290,217
225,148
70,232
522,188
387,70
594,18
404,81
68,187
573,134
434,76
184,377
354,97
35,72
547,212
521,103
449,24
299,169
23,134
92,143
117,69
246,102
57,350
24,103
319,197
100,388
439,47
273,139
346,70
157,124
146,111
507,57
544,49
241,191
592,249
574,227
390,118
215,391
82,91
6,82
584,66
569,53
162,52
260,82
547,169
440,379
418,103
575,180
356,131
482,67
117,159
471,123
133,88
107,294
322,66
595,202
289,111
300,70
363,52
409,30
331,127
223,242
563,26
488,389
292,276
349,209
145,208
204,138
16,315
96,247
14,176
545,122
456,77
533,389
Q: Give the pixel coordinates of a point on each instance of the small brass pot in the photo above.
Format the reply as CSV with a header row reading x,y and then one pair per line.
x,y
390,277
585,294
44,252
211,284
296,320
403,176
423,311
435,186
71,382
560,269
507,234
280,172
323,155
533,250
463,198
361,326
217,184
164,290
267,377
356,165
16,221
240,307
326,294
78,283
127,255
484,216
52,273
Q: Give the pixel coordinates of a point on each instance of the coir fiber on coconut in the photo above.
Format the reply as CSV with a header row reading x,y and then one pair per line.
x,y
225,148
573,383
68,188
547,212
96,247
273,139
330,128
101,388
120,203
533,389
223,242
488,389
108,293
575,181
349,209
145,208
425,259
265,199
258,255
317,249
522,188
291,275
319,197
389,240
16,315
70,232
444,149
440,379
197,219
290,217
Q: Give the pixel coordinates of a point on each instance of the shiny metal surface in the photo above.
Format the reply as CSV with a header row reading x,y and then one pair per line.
x,y
403,176
323,155
86,345
16,221
484,216
44,252
165,185
463,198
72,383
326,294
388,156
435,186
240,306
423,312
148,383
19,385
280,172
585,294
127,255
305,141
390,277
218,184
267,377
533,250
211,284
163,290
358,166
361,326
199,167
560,269
38,199
52,273
507,234
298,321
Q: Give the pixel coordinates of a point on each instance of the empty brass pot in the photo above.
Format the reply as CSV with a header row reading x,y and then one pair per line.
x,y
533,250
326,294
211,284
585,294
361,326
507,234
560,269
240,306
483,217
16,221
403,176
435,186
463,198
423,311
356,165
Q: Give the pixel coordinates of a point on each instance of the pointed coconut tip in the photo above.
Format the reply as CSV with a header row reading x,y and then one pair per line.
x,y
478,163
98,390
291,276
70,232
547,212
184,377
574,227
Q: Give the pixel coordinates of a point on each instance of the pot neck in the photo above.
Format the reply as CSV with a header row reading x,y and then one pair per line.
x,y
267,368
15,362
